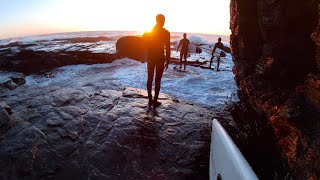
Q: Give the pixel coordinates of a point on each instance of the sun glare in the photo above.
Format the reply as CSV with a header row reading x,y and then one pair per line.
x,y
201,16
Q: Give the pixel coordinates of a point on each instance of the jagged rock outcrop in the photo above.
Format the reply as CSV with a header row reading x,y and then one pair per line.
x,y
39,56
15,82
29,61
5,119
12,82
275,67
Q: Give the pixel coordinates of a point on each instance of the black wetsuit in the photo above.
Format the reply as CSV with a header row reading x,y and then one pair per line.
x,y
156,41
220,46
217,45
184,43
184,51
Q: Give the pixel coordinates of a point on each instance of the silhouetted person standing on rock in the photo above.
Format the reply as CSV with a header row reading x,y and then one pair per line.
x,y
184,43
156,40
220,46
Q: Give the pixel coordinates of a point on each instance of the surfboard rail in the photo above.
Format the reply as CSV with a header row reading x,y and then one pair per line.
x,y
226,160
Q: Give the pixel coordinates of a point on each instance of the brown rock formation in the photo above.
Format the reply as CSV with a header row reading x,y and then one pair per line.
x,y
275,67
29,61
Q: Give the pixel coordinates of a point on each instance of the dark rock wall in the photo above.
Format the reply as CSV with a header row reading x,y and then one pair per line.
x,y
316,38
313,81
276,50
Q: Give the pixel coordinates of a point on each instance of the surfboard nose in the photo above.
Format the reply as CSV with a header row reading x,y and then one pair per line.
x,y
226,160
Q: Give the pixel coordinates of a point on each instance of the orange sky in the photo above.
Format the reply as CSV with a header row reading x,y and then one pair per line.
x,y
30,17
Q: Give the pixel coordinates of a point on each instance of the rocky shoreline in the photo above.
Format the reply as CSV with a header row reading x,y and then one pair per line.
x,y
31,62
93,129
59,120
61,132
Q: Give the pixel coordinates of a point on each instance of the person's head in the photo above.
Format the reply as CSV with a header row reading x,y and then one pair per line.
x,y
184,35
160,20
219,39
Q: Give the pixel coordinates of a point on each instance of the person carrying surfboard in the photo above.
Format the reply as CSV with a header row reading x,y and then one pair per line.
x,y
220,46
155,41
184,43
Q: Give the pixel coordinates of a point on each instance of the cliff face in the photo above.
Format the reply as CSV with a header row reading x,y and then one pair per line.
x,y
276,50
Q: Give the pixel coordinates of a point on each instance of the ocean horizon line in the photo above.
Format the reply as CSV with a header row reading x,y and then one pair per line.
x,y
106,31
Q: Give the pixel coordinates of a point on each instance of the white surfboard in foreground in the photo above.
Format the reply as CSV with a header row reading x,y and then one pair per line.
x,y
226,161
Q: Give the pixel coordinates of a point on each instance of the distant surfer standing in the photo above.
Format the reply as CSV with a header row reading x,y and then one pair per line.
x,y
220,46
184,43
156,41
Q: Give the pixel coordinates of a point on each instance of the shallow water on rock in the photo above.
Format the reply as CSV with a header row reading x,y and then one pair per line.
x,y
196,85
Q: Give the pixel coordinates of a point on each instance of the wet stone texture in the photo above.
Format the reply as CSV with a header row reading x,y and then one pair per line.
x,y
86,133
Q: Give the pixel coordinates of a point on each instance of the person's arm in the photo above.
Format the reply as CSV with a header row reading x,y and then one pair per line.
x,y
179,45
168,50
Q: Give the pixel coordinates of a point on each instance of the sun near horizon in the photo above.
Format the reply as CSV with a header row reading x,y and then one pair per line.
x,y
32,17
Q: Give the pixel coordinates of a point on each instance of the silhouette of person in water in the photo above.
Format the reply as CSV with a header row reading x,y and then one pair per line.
x,y
220,46
156,40
184,43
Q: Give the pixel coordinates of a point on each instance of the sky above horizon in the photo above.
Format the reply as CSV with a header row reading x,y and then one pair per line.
x,y
31,17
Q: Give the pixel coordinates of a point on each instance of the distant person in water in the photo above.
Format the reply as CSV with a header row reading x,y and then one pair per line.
x,y
184,43
156,40
220,46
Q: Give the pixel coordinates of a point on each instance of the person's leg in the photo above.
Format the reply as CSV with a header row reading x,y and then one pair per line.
x,y
159,73
151,67
218,64
211,61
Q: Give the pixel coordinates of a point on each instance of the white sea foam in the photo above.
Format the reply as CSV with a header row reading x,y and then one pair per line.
x,y
202,86
197,40
196,85
206,38
49,37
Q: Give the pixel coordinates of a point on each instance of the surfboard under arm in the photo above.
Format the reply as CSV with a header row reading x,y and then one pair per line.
x,y
217,52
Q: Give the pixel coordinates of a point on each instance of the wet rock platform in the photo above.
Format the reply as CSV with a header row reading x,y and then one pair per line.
x,y
61,132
